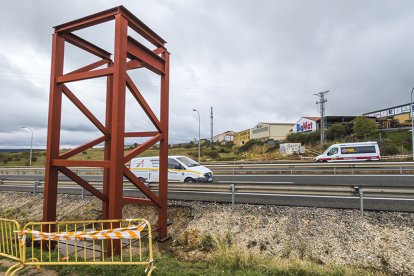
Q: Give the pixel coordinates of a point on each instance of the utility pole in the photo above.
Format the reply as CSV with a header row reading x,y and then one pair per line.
x,y
199,137
412,122
211,119
322,102
31,144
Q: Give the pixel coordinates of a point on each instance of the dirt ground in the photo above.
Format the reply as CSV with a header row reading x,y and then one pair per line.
x,y
380,240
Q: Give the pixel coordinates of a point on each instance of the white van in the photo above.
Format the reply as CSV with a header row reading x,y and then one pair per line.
x,y
364,151
180,169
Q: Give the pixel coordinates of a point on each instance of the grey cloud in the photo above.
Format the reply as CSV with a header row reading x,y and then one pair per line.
x,y
251,60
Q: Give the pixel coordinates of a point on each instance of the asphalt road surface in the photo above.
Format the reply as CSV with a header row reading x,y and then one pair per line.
x,y
367,180
352,202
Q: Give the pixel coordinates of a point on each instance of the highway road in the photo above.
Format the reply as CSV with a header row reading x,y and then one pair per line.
x,y
298,199
366,180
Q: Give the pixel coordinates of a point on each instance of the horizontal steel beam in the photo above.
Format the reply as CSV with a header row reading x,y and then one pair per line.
x,y
80,163
87,46
85,75
90,67
149,59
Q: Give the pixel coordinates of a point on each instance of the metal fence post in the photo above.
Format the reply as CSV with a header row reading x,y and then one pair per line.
x,y
1,181
401,172
83,193
334,170
361,200
233,192
35,184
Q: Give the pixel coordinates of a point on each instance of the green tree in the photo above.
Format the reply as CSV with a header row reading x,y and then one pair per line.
x,y
364,127
336,131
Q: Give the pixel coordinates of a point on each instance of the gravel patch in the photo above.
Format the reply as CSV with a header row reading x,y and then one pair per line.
x,y
381,240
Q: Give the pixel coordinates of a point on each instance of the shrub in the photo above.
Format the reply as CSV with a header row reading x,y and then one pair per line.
x,y
304,138
249,145
224,150
212,154
272,149
228,144
336,131
387,147
193,155
207,243
4,158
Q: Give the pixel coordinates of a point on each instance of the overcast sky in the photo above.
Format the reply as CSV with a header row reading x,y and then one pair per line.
x,y
253,61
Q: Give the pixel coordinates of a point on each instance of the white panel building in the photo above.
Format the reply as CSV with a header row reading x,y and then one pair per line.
x,y
266,131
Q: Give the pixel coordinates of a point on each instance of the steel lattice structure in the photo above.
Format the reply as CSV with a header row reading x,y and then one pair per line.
x,y
129,54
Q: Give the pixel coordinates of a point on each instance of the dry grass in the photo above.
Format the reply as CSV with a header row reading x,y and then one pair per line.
x,y
228,256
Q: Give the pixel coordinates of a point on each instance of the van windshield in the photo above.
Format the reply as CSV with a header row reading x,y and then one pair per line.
x,y
326,151
188,161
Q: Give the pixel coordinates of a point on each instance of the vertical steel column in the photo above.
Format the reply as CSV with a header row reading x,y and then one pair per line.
x,y
118,119
53,129
163,185
107,147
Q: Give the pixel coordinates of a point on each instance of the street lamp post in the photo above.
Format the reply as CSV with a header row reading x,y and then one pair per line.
x,y
31,144
198,134
412,125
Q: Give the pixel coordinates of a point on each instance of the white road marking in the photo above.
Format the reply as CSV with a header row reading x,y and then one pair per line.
x,y
256,182
313,175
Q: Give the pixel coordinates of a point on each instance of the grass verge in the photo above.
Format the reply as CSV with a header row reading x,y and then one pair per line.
x,y
222,257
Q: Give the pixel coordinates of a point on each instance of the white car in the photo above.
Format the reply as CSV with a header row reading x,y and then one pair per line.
x,y
180,169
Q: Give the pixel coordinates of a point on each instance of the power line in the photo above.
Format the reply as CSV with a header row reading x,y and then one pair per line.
x,y
43,79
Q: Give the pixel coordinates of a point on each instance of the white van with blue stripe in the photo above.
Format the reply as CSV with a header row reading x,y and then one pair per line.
x,y
180,169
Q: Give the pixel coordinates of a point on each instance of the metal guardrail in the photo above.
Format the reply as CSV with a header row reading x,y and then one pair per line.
x,y
241,187
317,168
289,168
235,189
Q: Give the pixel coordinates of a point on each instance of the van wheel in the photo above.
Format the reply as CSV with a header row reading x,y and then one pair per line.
x,y
189,180
141,179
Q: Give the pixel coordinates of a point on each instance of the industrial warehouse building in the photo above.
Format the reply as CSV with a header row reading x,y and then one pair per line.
x,y
227,136
242,137
266,131
392,117
309,124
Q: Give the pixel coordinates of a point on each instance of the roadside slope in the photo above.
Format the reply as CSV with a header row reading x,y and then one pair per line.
x,y
382,241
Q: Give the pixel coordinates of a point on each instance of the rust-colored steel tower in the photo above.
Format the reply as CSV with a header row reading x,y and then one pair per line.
x,y
129,54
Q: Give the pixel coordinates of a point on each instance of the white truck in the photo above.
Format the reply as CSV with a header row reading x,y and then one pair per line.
x,y
363,151
180,169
